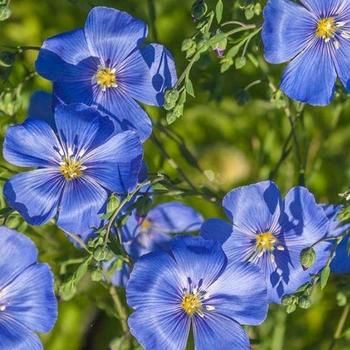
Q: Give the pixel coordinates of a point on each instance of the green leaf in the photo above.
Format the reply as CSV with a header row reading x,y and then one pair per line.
x,y
325,276
219,10
189,87
232,52
81,270
5,13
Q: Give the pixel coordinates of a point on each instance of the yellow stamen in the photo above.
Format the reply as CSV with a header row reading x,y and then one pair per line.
x,y
70,168
326,28
265,241
146,225
191,304
106,78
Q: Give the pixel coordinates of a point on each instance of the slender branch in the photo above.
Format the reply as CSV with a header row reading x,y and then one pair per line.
x,y
78,240
340,327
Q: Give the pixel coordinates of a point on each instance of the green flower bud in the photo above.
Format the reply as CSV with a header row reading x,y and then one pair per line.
x,y
307,258
199,9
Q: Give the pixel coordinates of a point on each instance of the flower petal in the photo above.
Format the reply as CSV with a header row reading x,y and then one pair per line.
x,y
307,222
254,208
287,30
30,299
341,261
342,59
81,127
31,144
199,259
75,92
174,217
35,194
127,113
82,203
217,230
66,57
116,163
41,107
164,329
324,8
147,74
336,227
112,34
15,336
17,253
310,77
216,331
240,294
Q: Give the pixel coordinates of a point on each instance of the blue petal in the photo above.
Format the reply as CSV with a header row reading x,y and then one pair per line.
x,y
116,163
199,259
310,77
216,331
342,59
307,222
35,194
41,106
217,230
147,73
17,253
121,277
81,127
164,329
32,144
290,274
287,30
127,113
336,228
174,217
30,299
324,8
82,203
233,294
254,208
341,261
66,57
112,34
14,336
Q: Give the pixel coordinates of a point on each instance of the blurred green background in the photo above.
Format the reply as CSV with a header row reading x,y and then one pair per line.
x,y
234,144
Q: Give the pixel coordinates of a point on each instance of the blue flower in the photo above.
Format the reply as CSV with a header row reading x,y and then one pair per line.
x,y
315,37
192,285
341,261
271,232
144,234
104,64
27,299
77,167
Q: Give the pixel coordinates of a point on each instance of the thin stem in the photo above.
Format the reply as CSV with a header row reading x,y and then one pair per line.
x,y
78,240
152,15
340,327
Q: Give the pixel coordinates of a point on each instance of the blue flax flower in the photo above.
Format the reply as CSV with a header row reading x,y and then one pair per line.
x,y
144,234
27,299
271,232
77,166
192,285
105,65
314,36
341,261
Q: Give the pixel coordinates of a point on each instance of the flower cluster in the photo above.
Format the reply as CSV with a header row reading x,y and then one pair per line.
x,y
83,145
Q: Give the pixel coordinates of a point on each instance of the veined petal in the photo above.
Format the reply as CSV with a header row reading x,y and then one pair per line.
x,y
116,163
324,8
216,331
125,110
82,203
17,253
112,34
199,259
147,73
254,208
30,299
307,222
164,329
336,227
35,194
287,30
66,57
341,58
240,294
216,230
31,144
310,77
82,128
174,217
15,336
41,106
341,261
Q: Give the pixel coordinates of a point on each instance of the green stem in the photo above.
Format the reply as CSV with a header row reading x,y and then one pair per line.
x,y
340,327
